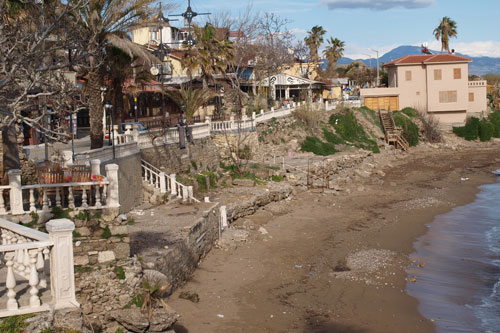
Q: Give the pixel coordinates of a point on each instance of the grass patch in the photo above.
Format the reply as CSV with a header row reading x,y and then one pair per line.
x,y
60,213
83,215
271,167
318,147
120,273
131,222
83,269
76,234
410,112
277,179
332,138
14,324
348,128
410,129
106,233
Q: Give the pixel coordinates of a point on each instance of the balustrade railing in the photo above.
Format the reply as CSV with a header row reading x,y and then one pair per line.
x,y
38,263
166,183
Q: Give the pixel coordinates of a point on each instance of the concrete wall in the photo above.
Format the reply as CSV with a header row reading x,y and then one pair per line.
x,y
174,160
412,93
480,103
448,83
129,181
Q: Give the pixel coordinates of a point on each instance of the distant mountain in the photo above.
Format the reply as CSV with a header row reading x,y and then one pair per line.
x,y
478,66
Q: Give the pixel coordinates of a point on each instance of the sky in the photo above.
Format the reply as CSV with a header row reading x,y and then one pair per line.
x,y
380,24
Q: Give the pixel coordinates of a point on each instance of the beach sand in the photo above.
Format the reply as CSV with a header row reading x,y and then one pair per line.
x,y
293,280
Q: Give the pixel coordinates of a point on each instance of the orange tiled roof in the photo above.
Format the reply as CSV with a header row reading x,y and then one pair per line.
x,y
427,58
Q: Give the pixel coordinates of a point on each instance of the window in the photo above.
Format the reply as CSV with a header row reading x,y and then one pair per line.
x,y
408,75
449,96
457,73
437,74
471,97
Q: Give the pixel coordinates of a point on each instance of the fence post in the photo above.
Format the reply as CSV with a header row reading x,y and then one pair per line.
x,y
62,275
113,195
115,135
163,183
190,193
173,187
261,111
95,167
16,193
184,193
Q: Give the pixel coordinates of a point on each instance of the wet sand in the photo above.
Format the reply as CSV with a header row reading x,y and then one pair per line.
x,y
289,280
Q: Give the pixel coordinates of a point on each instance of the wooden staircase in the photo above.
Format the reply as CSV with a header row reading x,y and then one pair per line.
x,y
393,134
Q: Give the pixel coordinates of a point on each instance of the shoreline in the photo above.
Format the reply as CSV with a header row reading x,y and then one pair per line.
x,y
287,281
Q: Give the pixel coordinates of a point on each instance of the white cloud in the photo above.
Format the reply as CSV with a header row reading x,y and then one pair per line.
x,y
473,49
297,31
376,4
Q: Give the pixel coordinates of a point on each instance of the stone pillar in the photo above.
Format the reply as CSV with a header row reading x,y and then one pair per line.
x,y
253,115
16,193
185,193
287,92
113,195
115,133
163,183
62,275
190,193
135,132
272,109
173,186
326,105
95,167
128,129
262,111
223,217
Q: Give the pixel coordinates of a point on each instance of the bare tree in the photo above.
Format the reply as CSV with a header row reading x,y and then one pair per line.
x,y
38,48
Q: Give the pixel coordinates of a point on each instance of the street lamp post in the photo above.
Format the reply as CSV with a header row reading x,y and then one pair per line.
x,y
378,80
109,106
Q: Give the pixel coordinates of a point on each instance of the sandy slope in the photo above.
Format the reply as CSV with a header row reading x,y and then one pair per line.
x,y
286,281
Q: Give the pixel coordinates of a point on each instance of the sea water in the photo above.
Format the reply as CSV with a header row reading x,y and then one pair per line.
x,y
457,267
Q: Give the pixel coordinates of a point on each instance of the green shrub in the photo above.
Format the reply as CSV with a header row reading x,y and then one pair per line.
x,y
410,112
486,130
410,129
470,131
202,183
495,120
318,147
60,213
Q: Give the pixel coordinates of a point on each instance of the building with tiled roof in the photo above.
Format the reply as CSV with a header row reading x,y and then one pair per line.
x,y
434,83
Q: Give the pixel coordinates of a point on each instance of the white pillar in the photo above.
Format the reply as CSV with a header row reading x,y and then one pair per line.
x,y
190,193
173,187
115,135
95,167
113,196
287,92
223,217
16,193
253,115
184,193
262,111
135,132
62,275
163,183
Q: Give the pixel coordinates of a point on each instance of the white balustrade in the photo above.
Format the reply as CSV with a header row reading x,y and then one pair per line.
x,y
40,263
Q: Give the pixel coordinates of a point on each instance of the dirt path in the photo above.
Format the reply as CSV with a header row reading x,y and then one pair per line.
x,y
291,279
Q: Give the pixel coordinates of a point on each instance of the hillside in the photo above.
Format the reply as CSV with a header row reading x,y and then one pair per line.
x,y
479,65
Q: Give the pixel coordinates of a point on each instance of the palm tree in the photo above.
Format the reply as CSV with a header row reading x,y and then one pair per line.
x,y
333,52
190,100
210,55
107,22
446,29
314,41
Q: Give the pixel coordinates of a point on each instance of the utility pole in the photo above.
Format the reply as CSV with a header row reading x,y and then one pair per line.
x,y
378,80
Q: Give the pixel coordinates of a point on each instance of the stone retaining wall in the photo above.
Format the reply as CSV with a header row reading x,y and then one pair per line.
x,y
204,153
96,242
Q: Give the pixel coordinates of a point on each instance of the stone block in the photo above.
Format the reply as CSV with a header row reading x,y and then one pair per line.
x,y
105,256
121,250
83,231
81,260
119,230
